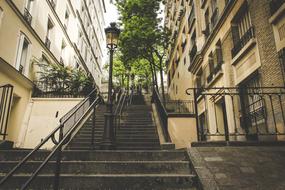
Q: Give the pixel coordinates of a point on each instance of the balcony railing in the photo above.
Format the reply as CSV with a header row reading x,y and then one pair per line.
x,y
250,34
47,43
27,15
275,5
21,69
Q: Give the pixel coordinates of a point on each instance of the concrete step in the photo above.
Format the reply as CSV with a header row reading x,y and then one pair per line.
x,y
170,155
103,167
113,182
129,139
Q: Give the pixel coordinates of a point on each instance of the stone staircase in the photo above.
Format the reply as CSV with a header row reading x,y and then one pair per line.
x,y
137,130
102,170
138,162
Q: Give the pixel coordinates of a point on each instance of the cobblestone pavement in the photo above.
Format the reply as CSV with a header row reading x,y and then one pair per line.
x,y
247,168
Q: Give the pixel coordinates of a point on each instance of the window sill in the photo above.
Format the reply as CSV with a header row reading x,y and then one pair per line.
x,y
250,44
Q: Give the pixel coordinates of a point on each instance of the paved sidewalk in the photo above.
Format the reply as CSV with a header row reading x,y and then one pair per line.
x,y
247,168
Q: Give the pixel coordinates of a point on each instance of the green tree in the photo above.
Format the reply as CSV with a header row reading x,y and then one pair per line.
x,y
143,38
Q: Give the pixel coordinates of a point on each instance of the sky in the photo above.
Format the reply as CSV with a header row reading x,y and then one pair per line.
x,y
111,14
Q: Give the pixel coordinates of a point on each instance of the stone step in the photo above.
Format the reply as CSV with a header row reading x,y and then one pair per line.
x,y
103,167
76,143
115,182
122,129
129,139
170,155
120,148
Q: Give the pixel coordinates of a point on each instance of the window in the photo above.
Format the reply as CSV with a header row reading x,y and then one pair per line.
x,y
63,52
22,54
207,28
27,11
49,33
1,15
66,19
253,109
242,29
215,13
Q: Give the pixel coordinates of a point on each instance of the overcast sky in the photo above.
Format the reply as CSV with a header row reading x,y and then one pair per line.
x,y
111,14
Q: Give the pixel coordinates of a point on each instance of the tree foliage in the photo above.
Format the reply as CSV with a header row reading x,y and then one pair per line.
x,y
64,79
143,39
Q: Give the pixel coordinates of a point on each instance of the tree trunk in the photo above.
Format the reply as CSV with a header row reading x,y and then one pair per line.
x,y
162,82
155,77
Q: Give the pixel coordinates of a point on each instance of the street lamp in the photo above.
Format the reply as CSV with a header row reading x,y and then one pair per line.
x,y
112,37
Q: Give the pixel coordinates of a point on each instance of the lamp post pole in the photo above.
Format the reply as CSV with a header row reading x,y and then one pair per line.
x,y
108,140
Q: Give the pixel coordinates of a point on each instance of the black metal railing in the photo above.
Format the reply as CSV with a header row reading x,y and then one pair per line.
x,y
118,112
21,69
239,114
6,96
59,89
27,15
179,106
162,112
47,42
69,125
275,5
249,34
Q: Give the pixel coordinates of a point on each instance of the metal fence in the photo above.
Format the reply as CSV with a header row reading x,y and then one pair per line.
x,y
235,114
48,89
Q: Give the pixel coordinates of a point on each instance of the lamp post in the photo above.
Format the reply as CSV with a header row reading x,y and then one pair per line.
x,y
112,36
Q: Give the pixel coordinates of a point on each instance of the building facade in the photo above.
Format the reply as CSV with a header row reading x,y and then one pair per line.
x,y
35,32
229,54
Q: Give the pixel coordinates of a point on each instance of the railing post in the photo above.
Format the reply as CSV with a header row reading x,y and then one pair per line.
x,y
196,115
58,161
93,127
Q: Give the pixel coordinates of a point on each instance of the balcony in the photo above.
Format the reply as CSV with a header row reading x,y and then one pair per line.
x,y
27,15
243,41
47,43
21,69
275,5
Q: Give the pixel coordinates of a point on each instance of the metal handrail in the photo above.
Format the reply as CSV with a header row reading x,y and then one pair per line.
x,y
119,109
63,139
163,115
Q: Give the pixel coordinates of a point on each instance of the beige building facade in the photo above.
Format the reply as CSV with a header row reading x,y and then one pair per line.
x,y
34,32
230,53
